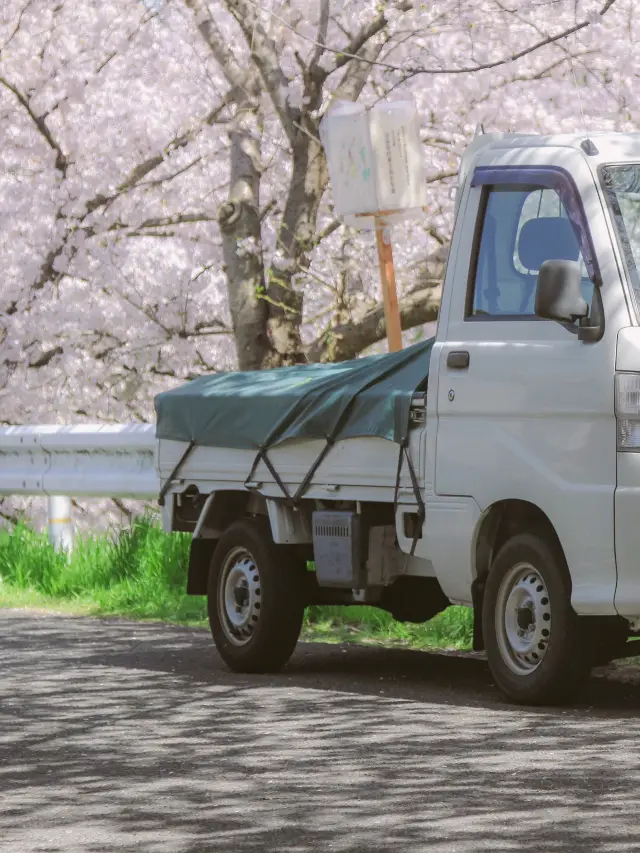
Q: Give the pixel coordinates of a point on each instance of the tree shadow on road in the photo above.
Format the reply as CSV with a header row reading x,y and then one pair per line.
x,y
118,735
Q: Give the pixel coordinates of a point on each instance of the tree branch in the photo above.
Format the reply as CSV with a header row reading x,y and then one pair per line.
x,y
12,518
321,36
365,34
420,305
349,339
40,124
358,71
346,54
441,176
267,209
327,231
156,182
514,56
133,179
16,29
166,221
44,358
264,52
124,509
238,77
143,169
145,18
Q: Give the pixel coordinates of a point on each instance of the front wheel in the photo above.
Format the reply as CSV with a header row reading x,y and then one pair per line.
x,y
537,647
255,599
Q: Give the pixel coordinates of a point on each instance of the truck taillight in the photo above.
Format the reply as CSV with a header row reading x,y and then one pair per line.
x,y
628,410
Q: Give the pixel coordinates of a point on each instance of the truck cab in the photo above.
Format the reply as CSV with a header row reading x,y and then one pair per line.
x,y
528,463
534,417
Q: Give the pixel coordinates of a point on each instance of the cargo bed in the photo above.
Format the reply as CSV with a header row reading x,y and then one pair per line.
x,y
362,468
333,431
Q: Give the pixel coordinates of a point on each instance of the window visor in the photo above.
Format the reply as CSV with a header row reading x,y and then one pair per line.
x,y
553,178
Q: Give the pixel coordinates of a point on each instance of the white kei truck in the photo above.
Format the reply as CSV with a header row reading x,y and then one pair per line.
x,y
496,466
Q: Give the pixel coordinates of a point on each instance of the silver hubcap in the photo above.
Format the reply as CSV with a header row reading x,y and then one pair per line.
x,y
523,619
239,596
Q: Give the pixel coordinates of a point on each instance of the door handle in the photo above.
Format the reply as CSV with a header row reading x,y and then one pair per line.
x,y
458,360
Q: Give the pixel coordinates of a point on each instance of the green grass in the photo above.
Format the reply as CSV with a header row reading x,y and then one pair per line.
x,y
140,572
452,629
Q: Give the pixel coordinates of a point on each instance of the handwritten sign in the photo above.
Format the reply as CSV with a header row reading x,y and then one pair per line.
x,y
375,160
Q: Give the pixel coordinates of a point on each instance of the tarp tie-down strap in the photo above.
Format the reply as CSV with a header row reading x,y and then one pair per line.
x,y
404,454
261,456
304,485
256,461
293,500
172,476
398,475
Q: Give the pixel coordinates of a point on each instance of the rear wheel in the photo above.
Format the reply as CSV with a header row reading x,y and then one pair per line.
x,y
255,599
538,649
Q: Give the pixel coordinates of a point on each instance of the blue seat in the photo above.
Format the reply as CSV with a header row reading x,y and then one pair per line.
x,y
548,238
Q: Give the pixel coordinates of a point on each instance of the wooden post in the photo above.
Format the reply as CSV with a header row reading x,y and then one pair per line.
x,y
388,280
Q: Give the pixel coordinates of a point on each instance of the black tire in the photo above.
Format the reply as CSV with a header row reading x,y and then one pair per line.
x,y
273,608
556,642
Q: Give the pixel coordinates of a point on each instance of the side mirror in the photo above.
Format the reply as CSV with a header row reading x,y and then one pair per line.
x,y
558,295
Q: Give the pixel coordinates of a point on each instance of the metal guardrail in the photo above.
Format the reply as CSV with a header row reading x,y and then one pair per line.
x,y
88,460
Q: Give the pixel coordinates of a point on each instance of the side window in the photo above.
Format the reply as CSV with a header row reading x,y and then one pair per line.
x,y
522,228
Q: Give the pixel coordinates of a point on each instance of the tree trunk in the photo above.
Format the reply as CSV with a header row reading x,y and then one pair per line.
x,y
239,220
295,242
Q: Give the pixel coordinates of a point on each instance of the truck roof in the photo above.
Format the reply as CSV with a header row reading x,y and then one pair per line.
x,y
610,146
601,139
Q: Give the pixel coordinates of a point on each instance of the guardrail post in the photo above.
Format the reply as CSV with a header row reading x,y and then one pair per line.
x,y
60,526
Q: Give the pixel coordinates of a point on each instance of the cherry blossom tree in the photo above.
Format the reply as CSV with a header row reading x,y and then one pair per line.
x,y
303,61
165,202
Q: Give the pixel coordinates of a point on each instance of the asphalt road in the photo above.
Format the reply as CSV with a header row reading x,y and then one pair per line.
x,y
121,736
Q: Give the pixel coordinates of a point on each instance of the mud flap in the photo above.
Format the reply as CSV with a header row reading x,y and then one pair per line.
x,y
200,556
477,596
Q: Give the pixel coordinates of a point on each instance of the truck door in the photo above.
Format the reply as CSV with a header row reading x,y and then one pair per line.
x,y
525,409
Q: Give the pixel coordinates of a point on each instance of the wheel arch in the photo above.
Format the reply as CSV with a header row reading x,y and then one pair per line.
x,y
498,523
502,520
225,508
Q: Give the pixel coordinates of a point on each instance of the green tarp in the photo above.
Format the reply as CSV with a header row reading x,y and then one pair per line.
x,y
259,409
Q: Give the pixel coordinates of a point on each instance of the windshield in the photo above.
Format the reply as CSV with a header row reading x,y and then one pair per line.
x,y
622,189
